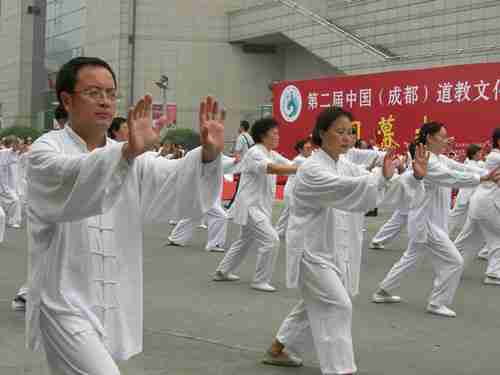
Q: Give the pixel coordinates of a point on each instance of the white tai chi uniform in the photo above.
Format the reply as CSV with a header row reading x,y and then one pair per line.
x,y
252,210
483,221
324,253
86,212
21,177
215,218
459,212
428,230
282,223
2,224
399,219
9,198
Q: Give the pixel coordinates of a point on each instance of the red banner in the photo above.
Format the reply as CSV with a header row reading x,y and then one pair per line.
x,y
390,107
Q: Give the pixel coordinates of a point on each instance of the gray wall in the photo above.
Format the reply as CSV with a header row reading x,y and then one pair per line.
x,y
15,64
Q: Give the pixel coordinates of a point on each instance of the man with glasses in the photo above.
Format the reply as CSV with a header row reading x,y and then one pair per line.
x,y
88,199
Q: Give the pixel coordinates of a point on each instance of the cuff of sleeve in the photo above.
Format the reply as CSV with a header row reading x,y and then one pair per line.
x,y
382,182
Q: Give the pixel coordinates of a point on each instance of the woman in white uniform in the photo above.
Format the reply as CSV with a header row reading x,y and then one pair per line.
x,y
304,148
323,247
253,206
215,218
428,225
399,219
458,214
483,219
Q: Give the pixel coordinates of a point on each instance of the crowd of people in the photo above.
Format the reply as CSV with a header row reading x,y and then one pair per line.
x,y
91,185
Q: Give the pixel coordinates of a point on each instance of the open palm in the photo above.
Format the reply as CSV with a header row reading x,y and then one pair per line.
x,y
389,168
211,128
142,136
421,161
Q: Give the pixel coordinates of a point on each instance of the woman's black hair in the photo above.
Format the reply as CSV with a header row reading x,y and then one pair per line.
x,y
325,119
429,128
495,138
472,150
67,77
261,127
115,126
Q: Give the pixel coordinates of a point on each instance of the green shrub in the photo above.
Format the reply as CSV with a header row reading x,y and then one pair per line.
x,y
187,137
21,132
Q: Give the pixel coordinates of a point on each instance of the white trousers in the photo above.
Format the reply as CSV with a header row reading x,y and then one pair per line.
x,y
68,353
217,228
282,223
447,263
456,222
3,220
477,231
456,218
260,237
322,319
391,229
12,207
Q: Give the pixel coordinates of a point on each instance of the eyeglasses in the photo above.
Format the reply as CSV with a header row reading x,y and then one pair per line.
x,y
96,94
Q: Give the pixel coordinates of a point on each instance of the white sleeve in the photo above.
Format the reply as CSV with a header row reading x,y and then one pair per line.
x,y
467,168
442,175
181,188
280,159
318,187
63,187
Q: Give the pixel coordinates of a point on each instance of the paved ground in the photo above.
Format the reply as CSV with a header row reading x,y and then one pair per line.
x,y
194,326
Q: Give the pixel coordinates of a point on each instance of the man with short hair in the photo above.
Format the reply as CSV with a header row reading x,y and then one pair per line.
x,y
244,140
88,198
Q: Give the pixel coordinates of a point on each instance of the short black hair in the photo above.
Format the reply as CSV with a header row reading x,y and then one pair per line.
x,y
325,119
472,150
261,127
67,77
429,128
245,125
115,126
60,113
495,138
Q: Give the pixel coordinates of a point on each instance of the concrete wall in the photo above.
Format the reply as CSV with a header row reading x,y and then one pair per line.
x,y
187,40
10,63
423,33
302,64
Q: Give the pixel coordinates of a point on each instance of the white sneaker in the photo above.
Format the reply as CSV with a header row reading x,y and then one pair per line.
x,y
19,304
216,249
385,298
284,359
173,243
202,226
219,276
172,222
483,255
15,226
441,311
491,280
377,246
263,287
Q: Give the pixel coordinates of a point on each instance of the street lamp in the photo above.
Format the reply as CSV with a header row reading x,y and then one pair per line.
x,y
163,86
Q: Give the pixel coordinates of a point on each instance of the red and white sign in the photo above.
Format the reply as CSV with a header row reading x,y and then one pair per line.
x,y
164,116
390,107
